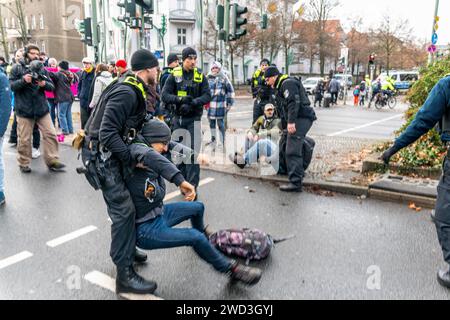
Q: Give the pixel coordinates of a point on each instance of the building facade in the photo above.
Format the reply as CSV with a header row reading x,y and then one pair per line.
x,y
50,24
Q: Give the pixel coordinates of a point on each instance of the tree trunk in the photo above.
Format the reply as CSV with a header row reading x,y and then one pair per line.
x,y
4,41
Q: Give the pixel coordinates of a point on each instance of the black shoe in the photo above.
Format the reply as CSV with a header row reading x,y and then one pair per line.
x,y
57,166
245,274
128,281
238,160
140,256
25,169
443,277
291,188
12,141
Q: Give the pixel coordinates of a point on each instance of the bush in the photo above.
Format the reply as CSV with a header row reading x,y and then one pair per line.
x,y
428,151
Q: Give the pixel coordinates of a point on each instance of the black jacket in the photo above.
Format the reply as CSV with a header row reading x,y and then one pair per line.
x,y
63,82
150,206
293,101
29,99
200,93
125,107
164,76
84,84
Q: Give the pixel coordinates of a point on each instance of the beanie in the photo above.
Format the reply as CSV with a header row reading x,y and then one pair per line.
x,y
216,64
155,131
271,72
265,60
188,52
143,59
172,58
64,65
121,63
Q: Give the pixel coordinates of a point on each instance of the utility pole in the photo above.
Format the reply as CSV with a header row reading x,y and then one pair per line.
x,y
433,31
201,33
95,29
227,32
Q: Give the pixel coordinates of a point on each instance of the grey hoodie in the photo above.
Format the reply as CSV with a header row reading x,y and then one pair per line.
x,y
101,82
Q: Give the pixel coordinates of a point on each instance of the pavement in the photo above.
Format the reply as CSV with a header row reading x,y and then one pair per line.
x,y
55,236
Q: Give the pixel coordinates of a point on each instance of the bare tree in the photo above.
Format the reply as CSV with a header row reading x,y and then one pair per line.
x,y
20,16
3,34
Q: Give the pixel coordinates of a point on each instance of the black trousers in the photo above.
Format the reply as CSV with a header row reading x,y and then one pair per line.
x,y
122,213
188,131
84,112
36,134
334,97
442,211
292,150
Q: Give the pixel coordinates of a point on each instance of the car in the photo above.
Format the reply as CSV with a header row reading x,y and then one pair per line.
x,y
345,78
310,84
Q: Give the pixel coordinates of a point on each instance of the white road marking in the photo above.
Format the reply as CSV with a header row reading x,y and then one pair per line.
x,y
175,194
240,113
68,237
15,259
364,125
106,282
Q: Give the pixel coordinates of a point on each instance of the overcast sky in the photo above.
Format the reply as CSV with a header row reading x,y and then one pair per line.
x,y
418,12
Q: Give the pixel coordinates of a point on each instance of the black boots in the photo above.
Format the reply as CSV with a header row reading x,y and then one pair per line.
x,y
291,188
245,274
140,256
238,160
443,277
128,281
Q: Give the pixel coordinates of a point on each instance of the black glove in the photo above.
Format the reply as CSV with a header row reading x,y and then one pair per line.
x,y
186,100
185,109
387,155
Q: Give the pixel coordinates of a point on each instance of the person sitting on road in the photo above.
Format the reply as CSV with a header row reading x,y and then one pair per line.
x,y
262,139
155,220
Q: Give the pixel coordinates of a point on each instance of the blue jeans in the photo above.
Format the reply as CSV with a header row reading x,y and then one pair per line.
x,y
159,234
221,125
2,167
65,117
264,147
53,109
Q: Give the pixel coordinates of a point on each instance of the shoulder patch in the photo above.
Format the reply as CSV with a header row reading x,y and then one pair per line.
x,y
286,93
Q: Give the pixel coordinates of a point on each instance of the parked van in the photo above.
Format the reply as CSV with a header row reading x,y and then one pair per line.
x,y
403,79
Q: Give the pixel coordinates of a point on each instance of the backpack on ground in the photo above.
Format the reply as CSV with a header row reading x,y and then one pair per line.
x,y
250,244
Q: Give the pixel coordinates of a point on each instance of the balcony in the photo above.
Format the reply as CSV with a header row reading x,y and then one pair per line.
x,y
182,16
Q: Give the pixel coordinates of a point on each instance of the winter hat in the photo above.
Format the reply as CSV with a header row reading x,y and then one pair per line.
x,y
271,72
265,60
269,106
188,52
143,59
155,131
64,65
216,64
88,60
121,63
172,58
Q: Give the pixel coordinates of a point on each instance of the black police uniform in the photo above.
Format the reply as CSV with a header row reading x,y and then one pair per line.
x,y
261,92
188,91
294,107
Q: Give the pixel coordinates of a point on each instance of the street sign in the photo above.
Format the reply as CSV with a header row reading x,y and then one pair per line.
x,y
432,48
434,38
159,54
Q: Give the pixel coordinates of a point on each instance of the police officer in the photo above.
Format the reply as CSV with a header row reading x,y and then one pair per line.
x,y
188,90
261,92
124,112
435,110
297,117
172,63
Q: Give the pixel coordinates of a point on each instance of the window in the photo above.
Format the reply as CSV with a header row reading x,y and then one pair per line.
x,y
33,22
43,46
41,21
13,23
6,23
181,4
27,25
181,36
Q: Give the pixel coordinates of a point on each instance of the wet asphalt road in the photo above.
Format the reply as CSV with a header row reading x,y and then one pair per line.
x,y
343,248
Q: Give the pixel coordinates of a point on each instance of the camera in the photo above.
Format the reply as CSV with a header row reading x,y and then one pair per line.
x,y
37,71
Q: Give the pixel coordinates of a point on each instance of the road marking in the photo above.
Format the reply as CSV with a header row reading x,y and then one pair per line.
x,y
106,282
175,194
68,237
364,125
240,113
15,259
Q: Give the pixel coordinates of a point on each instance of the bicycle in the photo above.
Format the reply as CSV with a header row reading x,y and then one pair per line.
x,y
386,98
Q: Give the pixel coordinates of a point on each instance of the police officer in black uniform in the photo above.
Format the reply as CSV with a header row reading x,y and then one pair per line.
x,y
124,112
188,90
297,117
436,110
261,92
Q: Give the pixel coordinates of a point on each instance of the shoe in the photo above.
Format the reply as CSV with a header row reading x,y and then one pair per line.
x,y
128,281
291,188
443,277
238,160
245,274
57,167
2,199
35,153
12,141
25,169
208,231
140,256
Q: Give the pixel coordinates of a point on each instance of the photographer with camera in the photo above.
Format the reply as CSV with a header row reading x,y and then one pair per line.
x,y
29,81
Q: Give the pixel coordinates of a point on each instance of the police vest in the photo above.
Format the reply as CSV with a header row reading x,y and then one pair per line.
x,y
187,87
166,71
280,81
256,77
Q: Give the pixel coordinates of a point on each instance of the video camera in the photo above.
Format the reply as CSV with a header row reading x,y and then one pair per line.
x,y
37,71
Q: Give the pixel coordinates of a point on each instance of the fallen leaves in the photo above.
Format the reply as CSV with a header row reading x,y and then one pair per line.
x,y
413,206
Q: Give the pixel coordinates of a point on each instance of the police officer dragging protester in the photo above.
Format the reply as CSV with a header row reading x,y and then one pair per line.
x,y
118,116
297,117
188,90
261,92
436,110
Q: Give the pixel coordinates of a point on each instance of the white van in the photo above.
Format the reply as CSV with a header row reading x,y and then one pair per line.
x,y
403,79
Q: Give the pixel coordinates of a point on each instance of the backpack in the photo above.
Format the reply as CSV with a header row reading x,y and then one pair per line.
x,y
250,244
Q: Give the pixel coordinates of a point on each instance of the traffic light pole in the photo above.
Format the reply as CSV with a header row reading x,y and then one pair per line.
x,y
226,20
95,29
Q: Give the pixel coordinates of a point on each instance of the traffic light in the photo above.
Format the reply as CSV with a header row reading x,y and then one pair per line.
x,y
220,14
372,59
237,21
264,21
130,10
146,5
85,30
163,25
